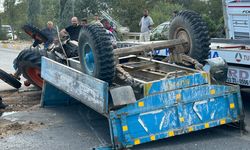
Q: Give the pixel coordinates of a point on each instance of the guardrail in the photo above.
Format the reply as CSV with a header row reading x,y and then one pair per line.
x,y
17,45
132,36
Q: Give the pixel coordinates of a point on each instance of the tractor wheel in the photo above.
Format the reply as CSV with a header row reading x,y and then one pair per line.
x,y
96,53
11,80
188,25
28,63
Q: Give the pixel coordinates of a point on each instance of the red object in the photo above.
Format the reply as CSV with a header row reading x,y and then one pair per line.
x,y
35,76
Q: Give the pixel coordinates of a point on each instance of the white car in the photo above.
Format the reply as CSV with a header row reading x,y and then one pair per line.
x,y
7,29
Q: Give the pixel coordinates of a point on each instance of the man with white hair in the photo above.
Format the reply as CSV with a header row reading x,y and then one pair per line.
x,y
73,30
50,32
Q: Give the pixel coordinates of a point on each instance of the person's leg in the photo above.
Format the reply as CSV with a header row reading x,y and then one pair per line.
x,y
141,38
147,36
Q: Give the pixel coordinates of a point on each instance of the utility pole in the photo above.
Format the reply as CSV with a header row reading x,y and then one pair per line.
x,y
1,26
224,7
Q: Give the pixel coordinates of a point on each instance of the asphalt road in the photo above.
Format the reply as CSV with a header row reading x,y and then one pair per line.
x,y
6,62
78,127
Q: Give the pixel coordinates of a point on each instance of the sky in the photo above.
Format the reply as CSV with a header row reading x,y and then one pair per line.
x,y
1,5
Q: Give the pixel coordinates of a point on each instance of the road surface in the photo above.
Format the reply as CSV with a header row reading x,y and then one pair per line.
x,y
6,63
78,127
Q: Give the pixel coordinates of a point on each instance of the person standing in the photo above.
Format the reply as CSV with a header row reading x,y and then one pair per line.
x,y
73,30
146,24
107,25
96,20
50,32
84,22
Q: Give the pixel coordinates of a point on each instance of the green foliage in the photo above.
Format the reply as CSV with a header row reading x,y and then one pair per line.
x,y
129,12
163,11
34,8
126,12
66,12
49,12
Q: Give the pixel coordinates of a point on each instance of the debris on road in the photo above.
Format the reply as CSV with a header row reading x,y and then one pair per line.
x,y
12,128
20,101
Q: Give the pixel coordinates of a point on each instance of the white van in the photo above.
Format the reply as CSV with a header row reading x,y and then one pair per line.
x,y
9,32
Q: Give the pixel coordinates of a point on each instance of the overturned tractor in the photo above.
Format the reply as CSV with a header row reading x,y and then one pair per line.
x,y
189,46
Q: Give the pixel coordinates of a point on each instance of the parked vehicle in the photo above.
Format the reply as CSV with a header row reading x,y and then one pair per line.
x,y
9,32
237,19
160,32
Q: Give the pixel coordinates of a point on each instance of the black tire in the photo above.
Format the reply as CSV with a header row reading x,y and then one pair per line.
x,y
35,33
98,39
188,25
28,63
10,79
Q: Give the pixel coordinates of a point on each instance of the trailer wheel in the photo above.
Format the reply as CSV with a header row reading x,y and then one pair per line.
x,y
28,62
96,53
9,79
188,25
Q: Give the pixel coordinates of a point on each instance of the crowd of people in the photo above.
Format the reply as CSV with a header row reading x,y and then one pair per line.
x,y
74,29
146,23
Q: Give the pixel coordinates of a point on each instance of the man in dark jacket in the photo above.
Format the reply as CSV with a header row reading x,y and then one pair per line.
x,y
72,30
50,32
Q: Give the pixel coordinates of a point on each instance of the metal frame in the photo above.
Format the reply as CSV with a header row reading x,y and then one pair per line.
x,y
166,109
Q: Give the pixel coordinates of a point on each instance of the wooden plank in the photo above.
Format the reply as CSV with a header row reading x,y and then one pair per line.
x,y
86,89
148,47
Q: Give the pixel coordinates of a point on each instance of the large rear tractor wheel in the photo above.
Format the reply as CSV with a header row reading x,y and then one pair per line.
x,y
28,63
96,53
189,26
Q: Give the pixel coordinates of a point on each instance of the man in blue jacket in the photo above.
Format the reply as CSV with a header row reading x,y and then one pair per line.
x,y
50,32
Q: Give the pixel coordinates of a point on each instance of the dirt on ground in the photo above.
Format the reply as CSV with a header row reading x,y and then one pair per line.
x,y
19,101
13,128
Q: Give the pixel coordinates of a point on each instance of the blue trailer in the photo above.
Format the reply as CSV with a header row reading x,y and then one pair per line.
x,y
143,99
170,106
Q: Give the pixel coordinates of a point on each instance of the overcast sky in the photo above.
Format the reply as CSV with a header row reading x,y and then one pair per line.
x,y
1,5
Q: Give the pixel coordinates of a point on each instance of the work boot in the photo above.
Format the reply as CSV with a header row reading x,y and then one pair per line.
x,y
2,105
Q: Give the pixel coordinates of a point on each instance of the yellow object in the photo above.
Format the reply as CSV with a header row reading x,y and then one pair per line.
x,y
124,128
212,92
232,106
207,125
178,97
141,104
171,133
181,119
190,129
152,137
137,141
222,121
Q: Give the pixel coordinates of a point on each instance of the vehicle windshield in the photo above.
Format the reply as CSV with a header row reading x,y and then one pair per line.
x,y
159,28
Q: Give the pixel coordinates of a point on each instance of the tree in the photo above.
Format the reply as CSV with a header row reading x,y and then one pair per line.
x,y
128,12
163,11
50,11
9,8
34,9
65,12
